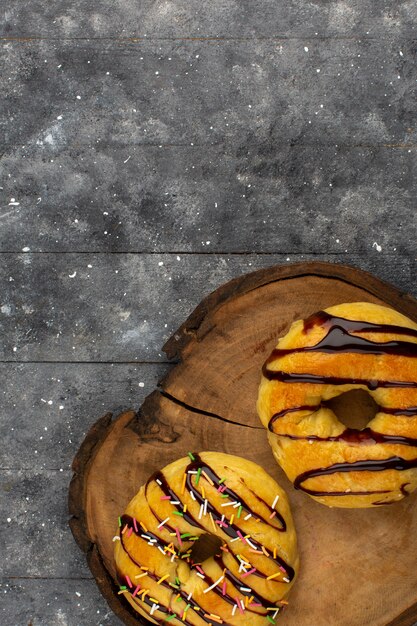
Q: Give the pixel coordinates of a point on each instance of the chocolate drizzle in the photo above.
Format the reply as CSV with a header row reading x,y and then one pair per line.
x,y
367,436
406,412
231,530
339,339
369,465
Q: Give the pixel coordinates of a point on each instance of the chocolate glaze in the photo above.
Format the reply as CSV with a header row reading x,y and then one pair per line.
x,y
322,318
407,412
315,379
368,465
238,583
127,520
366,436
339,340
232,530
166,489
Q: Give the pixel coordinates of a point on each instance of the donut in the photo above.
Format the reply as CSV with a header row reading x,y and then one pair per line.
x,y
245,582
349,346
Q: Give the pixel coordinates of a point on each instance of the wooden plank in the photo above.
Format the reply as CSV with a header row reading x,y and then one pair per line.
x,y
46,602
202,92
79,18
35,534
48,408
232,198
55,307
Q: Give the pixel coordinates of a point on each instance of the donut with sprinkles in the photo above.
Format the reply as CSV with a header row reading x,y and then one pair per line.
x,y
247,581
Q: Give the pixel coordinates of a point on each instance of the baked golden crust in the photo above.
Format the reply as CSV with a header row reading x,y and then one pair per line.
x,y
207,493
349,346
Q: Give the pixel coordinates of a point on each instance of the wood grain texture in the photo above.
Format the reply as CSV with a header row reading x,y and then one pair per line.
x,y
221,18
247,195
340,92
124,307
208,402
47,409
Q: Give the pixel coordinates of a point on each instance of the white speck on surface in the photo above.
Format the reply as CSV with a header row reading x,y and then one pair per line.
x,y
178,258
14,349
89,266
377,247
26,249
59,117
9,520
50,402
141,384
78,97
160,263
401,54
72,275
129,157
305,48
61,406
318,70
13,202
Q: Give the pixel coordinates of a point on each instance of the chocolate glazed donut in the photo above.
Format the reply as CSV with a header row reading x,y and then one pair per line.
x,y
349,346
248,579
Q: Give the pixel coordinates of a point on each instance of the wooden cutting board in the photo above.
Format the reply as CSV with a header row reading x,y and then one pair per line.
x,y
357,566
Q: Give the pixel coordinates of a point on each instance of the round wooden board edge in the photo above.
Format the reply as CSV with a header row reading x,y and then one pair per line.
x,y
236,287
174,348
81,464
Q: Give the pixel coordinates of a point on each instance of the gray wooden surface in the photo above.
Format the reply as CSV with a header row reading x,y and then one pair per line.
x,y
152,150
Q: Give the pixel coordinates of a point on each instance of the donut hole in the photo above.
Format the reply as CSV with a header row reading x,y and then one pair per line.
x,y
206,547
355,408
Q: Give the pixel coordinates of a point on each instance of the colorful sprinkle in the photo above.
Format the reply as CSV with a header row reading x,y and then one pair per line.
x,y
161,580
207,477
251,571
214,584
192,457
214,617
164,522
120,521
198,476
136,590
